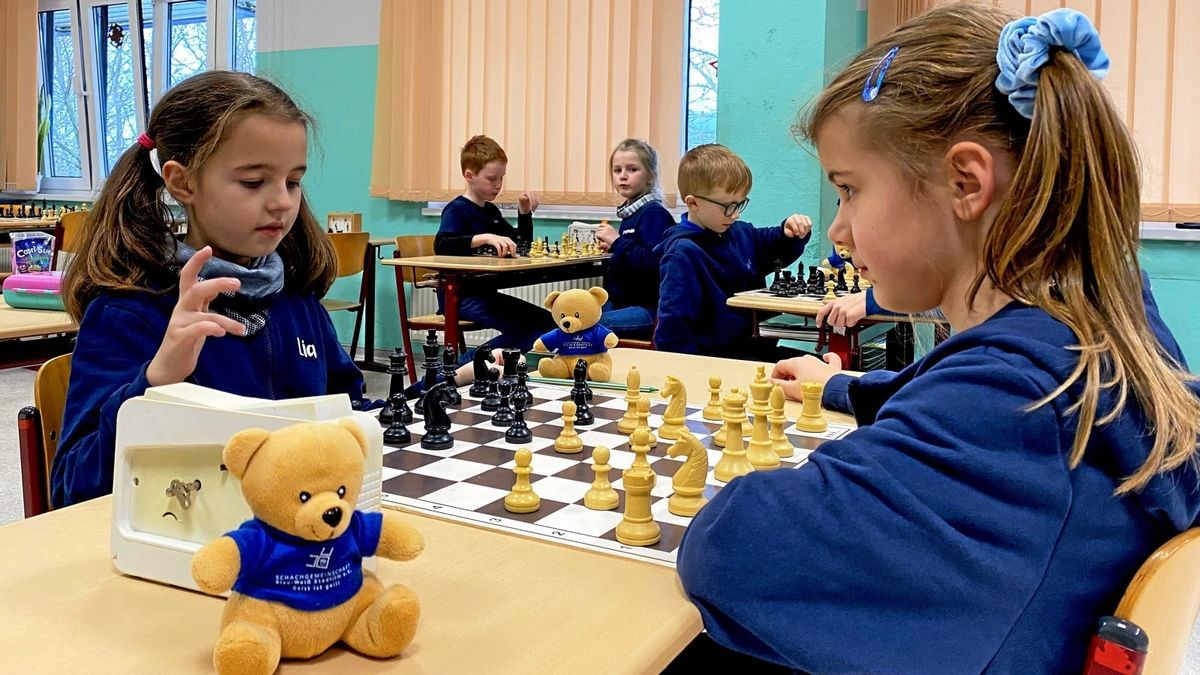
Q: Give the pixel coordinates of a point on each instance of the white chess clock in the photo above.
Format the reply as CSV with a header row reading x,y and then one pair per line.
x,y
172,494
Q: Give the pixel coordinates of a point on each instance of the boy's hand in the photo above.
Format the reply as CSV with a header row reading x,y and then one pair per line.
x,y
504,246
847,310
790,373
797,225
527,202
606,234
191,323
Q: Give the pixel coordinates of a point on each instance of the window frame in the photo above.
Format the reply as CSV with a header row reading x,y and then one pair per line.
x,y
148,87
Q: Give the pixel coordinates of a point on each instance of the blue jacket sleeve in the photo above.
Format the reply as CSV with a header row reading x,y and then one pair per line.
x,y
871,388
678,305
927,518
633,255
108,367
771,244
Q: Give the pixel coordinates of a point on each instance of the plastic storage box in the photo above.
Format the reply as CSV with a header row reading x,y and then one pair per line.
x,y
34,290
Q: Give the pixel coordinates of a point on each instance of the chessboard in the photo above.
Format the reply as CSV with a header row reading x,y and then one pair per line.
x,y
820,281
469,481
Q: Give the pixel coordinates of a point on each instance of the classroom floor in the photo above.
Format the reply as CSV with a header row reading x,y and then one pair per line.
x,y
16,392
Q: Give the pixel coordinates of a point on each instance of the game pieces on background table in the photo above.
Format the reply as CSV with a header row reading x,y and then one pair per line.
x,y
604,486
823,283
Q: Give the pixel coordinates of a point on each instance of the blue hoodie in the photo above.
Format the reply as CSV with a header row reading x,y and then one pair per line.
x,y
948,533
296,354
700,270
632,276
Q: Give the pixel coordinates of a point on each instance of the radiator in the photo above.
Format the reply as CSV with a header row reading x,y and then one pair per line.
x,y
424,301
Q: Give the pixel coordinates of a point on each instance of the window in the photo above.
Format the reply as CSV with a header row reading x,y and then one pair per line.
x,y
702,73
101,72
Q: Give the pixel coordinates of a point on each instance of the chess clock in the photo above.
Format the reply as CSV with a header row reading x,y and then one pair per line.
x,y
344,221
171,492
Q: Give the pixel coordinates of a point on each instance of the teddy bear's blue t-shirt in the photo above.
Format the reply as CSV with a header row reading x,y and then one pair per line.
x,y
303,574
583,343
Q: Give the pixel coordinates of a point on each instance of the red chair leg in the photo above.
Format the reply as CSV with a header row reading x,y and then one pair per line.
x,y
405,338
33,462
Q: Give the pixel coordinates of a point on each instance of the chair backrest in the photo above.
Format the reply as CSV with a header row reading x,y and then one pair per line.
x,y
69,229
351,250
50,396
1164,598
412,246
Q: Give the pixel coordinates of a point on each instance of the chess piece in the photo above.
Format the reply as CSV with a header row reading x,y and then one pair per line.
x,y
643,413
778,281
601,496
479,367
437,422
518,431
688,481
583,412
674,415
491,400
719,437
568,442
856,288
811,418
830,295
522,499
633,386
712,411
432,368
841,281
397,369
522,385
733,462
512,358
761,453
504,415
639,443
449,368
779,442
637,526
397,434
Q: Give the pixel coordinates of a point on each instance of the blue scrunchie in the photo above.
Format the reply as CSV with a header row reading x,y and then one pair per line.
x,y
1025,47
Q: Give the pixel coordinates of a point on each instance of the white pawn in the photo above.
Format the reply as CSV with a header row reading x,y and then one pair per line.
x,y
568,442
712,411
522,499
643,415
601,496
779,441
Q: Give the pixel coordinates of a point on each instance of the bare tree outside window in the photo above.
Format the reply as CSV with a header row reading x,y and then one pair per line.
x,y
702,73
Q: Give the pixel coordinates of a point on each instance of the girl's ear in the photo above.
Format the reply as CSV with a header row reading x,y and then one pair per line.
x,y
971,178
175,177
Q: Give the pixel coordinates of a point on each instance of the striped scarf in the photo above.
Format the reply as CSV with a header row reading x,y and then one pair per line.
x,y
629,208
261,280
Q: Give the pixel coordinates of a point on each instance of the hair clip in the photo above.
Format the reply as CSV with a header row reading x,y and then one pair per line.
x,y
875,78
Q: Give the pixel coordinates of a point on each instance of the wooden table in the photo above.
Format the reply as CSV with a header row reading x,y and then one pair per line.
x,y
848,344
490,602
20,323
507,273
21,224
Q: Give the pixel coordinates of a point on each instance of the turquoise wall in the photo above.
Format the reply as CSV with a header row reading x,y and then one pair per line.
x,y
1174,268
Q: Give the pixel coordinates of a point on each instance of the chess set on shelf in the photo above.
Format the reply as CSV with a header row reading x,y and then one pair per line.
x,y
823,282
508,453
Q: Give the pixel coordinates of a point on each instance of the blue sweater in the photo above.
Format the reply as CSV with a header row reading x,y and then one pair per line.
x,y
947,534
700,270
632,276
296,354
462,219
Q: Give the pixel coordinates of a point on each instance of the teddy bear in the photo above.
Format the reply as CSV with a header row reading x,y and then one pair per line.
x,y
578,336
295,569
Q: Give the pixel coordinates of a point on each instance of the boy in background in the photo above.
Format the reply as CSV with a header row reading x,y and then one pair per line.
x,y
711,255
472,224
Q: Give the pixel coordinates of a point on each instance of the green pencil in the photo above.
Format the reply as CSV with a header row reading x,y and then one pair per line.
x,y
594,385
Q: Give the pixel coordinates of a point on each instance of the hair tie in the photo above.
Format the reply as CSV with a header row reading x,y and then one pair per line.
x,y
875,77
1025,47
145,141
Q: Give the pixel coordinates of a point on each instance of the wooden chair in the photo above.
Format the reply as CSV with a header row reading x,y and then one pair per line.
x,y
67,233
38,428
1164,599
412,246
351,250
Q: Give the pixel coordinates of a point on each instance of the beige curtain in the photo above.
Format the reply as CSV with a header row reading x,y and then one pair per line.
x,y
1153,81
556,83
18,94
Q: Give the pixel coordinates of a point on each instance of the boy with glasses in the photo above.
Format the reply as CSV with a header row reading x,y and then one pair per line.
x,y
711,255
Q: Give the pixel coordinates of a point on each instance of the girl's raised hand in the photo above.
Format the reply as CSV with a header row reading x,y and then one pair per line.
x,y
606,234
191,323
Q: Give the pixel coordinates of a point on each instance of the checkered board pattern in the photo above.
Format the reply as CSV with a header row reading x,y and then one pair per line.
x,y
468,482
815,297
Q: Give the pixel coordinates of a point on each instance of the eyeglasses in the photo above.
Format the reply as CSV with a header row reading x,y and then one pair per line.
x,y
731,208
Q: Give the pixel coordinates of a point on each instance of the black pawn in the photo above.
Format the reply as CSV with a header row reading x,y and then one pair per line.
x,y
397,434
856,288
449,368
518,431
777,281
491,399
479,367
522,388
504,416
